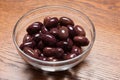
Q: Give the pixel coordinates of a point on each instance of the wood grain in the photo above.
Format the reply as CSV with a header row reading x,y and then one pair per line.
x,y
102,64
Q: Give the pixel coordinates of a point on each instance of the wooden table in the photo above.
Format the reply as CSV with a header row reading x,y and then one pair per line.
x,y
102,64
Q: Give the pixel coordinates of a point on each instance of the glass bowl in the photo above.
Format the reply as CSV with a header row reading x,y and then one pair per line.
x,y
39,14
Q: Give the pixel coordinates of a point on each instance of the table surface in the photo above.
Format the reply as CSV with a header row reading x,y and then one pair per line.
x,y
103,63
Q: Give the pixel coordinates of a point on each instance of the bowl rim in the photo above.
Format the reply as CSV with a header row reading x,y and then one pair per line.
x,y
56,62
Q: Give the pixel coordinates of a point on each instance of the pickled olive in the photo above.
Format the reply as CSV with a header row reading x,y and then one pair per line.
x,y
64,21
34,28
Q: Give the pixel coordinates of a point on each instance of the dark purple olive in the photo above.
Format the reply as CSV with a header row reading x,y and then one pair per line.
x,y
48,51
63,45
79,31
41,55
54,32
37,37
40,45
27,38
30,44
42,58
63,33
50,23
34,28
69,56
81,41
59,52
76,50
52,59
56,52
70,44
48,39
64,21
44,30
46,19
29,51
71,31
37,53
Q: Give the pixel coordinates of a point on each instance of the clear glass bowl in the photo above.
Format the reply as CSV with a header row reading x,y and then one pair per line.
x,y
39,14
